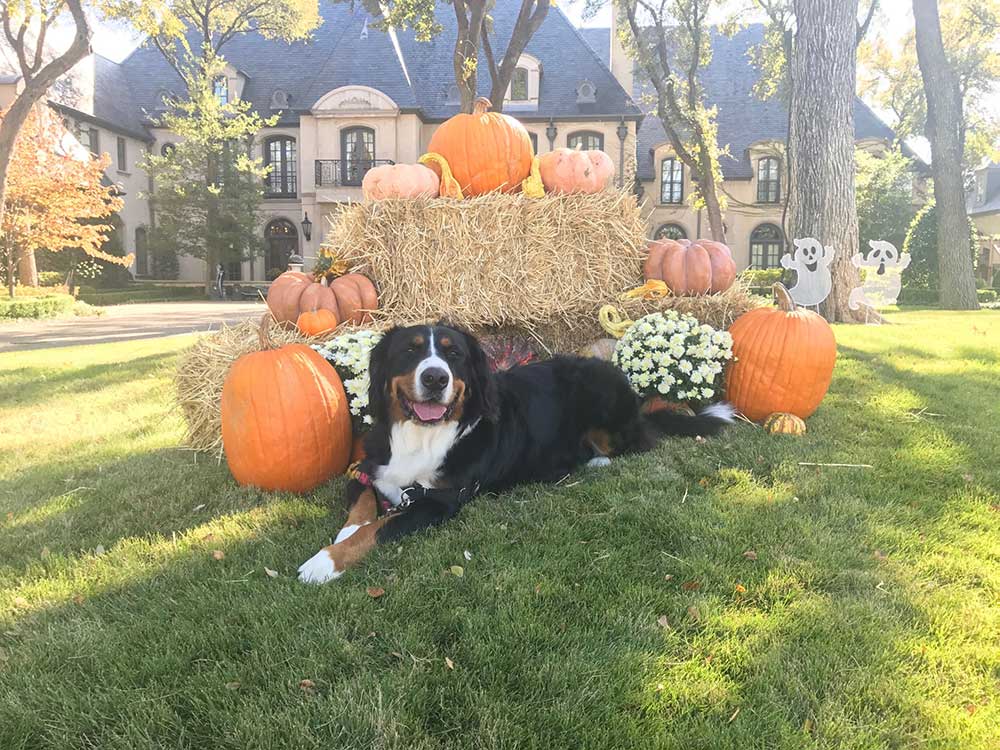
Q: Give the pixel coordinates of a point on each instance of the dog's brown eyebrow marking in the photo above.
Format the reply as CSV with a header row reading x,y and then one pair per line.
x,y
445,341
418,340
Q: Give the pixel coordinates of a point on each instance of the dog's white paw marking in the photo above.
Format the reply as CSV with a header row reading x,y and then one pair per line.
x,y
721,410
599,462
319,569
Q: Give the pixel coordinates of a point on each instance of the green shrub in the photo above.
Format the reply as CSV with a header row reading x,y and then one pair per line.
x,y
917,296
32,306
50,278
763,277
921,244
986,295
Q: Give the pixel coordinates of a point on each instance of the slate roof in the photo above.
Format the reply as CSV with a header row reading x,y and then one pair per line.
x,y
743,118
599,40
113,99
347,49
992,203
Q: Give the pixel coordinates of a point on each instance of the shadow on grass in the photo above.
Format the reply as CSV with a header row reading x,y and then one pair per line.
x,y
30,386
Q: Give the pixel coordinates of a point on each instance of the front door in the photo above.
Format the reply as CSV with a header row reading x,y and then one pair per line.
x,y
282,242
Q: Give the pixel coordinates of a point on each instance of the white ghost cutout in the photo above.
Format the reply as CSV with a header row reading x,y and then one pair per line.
x,y
811,263
881,276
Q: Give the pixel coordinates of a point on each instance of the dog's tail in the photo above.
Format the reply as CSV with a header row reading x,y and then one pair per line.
x,y
709,421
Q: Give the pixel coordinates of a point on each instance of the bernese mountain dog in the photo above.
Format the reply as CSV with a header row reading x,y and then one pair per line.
x,y
447,429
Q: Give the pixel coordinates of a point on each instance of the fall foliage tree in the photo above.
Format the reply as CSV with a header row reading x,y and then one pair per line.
x,y
55,199
476,32
26,24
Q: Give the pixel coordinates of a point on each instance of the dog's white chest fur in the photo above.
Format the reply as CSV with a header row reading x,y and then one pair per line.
x,y
417,452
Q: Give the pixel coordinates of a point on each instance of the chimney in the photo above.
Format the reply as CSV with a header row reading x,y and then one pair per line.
x,y
621,62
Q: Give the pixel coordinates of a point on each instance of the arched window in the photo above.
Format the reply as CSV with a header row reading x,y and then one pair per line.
x,y
671,181
220,87
768,180
357,154
587,140
282,239
767,243
670,232
279,155
141,252
519,85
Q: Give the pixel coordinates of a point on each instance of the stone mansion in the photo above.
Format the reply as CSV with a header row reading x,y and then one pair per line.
x,y
352,97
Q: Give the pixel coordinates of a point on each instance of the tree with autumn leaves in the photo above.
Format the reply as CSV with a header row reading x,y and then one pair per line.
x,y
55,199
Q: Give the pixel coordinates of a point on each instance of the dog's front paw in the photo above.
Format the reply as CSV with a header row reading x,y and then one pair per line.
x,y
319,568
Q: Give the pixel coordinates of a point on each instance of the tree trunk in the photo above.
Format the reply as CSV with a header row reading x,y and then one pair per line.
x,y
529,19
469,15
27,269
823,71
944,131
710,193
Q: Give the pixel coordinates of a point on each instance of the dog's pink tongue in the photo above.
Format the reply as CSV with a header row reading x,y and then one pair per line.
x,y
427,411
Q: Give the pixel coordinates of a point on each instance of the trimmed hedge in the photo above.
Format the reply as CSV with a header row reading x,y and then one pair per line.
x,y
140,293
931,296
46,306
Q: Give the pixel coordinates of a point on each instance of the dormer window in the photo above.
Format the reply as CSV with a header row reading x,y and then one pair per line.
x,y
279,99
525,83
220,88
586,93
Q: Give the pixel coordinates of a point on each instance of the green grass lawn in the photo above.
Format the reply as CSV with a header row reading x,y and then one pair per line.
x,y
801,607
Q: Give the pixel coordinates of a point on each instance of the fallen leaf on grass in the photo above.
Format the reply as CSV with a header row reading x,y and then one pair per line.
x,y
879,555
691,585
735,714
99,550
971,708
218,554
208,537
199,507
694,614
663,622
449,663
78,600
375,591
467,555
750,555
457,570
307,686
270,573
538,588
45,552
740,588
234,685
808,726
20,601
668,577
704,482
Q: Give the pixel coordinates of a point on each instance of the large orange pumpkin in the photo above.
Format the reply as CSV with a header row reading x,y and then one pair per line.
x,y
400,181
351,297
567,170
285,420
690,268
783,360
486,150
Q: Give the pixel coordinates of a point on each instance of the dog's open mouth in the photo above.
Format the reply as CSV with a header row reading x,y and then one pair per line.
x,y
427,412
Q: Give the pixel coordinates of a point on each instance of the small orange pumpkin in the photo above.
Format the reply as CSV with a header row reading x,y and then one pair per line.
x,y
567,170
285,419
486,150
783,360
691,268
316,322
400,181
351,297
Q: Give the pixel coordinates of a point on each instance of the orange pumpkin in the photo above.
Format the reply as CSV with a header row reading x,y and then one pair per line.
x,y
351,298
400,181
486,150
690,268
316,322
566,170
783,360
285,420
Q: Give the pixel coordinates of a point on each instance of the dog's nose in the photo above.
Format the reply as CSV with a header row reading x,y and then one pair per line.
x,y
434,378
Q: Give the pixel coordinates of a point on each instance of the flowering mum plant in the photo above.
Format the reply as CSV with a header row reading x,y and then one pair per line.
x,y
349,354
671,355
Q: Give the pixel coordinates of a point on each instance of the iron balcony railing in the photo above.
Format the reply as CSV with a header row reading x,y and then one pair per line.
x,y
345,172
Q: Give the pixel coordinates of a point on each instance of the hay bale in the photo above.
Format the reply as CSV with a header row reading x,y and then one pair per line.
x,y
498,261
202,370
717,310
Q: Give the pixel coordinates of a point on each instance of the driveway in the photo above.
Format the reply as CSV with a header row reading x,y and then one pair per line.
x,y
126,323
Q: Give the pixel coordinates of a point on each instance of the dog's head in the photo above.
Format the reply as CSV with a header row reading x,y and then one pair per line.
x,y
428,375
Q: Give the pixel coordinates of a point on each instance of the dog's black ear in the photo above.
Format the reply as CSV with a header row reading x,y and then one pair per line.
x,y
483,401
378,378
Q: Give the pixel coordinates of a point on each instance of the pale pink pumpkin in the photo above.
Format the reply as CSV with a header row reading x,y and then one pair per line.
x,y
400,181
567,170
